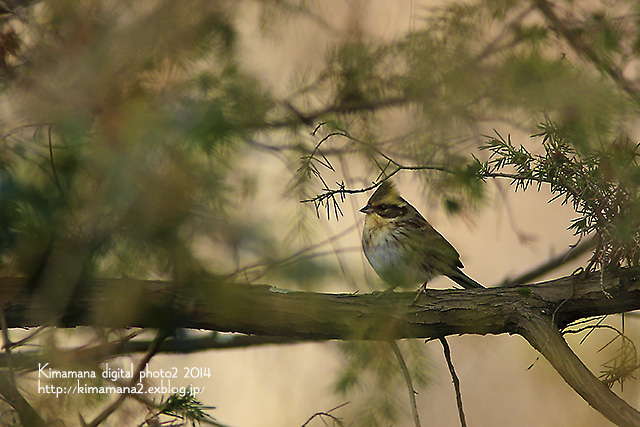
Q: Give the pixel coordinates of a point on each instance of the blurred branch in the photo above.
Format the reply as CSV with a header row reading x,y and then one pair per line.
x,y
536,312
511,26
9,7
305,10
306,252
28,360
152,350
301,117
564,28
553,263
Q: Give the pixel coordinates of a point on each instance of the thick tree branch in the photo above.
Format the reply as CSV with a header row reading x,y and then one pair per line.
x,y
265,310
536,312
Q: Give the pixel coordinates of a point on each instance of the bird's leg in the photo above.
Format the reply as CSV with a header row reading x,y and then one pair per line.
x,y
422,289
384,293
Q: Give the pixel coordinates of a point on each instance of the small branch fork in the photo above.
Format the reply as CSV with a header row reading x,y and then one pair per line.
x,y
337,421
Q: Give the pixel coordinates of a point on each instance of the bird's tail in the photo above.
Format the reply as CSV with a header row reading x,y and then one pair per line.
x,y
463,280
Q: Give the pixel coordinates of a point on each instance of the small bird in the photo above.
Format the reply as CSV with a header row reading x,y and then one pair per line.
x,y
403,248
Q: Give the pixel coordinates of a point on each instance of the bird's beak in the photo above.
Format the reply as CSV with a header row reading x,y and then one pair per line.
x,y
367,209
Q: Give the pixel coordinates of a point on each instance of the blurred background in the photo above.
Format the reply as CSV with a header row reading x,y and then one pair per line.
x,y
167,140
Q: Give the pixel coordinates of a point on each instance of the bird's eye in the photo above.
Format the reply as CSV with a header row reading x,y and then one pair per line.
x,y
383,207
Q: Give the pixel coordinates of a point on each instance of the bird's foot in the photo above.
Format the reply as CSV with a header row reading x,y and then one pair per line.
x,y
385,293
422,289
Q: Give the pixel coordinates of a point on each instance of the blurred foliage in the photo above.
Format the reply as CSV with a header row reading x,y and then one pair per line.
x,y
473,67
135,136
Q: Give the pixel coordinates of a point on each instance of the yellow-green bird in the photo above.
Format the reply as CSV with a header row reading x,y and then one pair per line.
x,y
402,247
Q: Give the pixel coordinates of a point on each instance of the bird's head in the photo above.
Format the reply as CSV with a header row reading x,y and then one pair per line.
x,y
386,205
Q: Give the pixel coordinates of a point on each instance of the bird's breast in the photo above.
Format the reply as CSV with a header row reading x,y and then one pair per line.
x,y
390,256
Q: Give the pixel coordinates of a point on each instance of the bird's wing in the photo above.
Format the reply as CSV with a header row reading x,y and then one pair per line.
x,y
429,242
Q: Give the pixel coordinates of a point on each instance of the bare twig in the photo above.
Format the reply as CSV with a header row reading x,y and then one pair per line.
x,y
454,378
329,193
327,414
407,379
328,196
